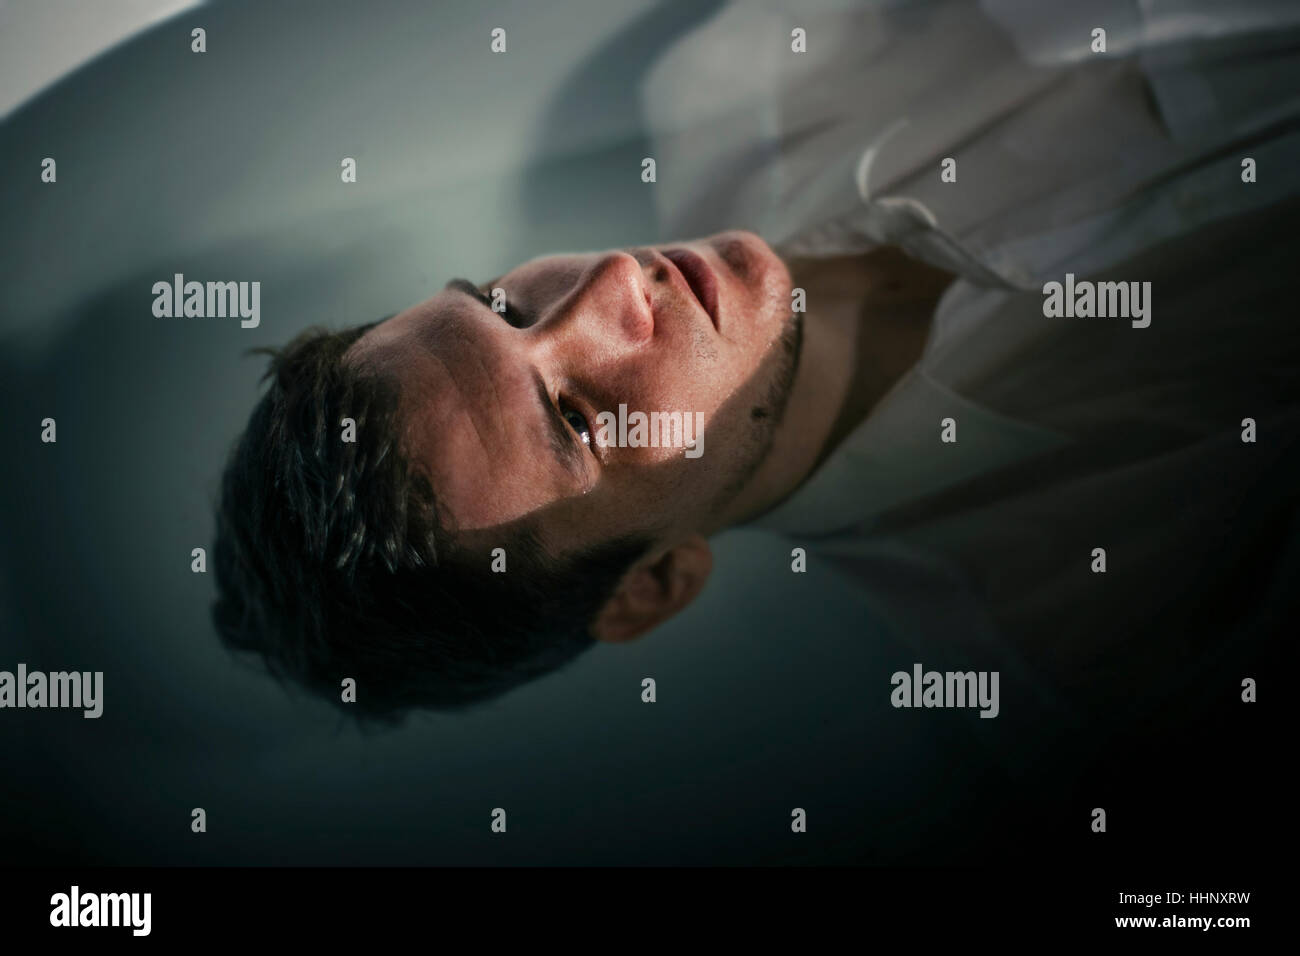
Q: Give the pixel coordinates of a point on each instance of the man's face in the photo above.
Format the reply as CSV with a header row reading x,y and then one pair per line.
x,y
503,410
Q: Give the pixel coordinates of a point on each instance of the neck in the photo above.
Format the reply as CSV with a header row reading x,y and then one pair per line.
x,y
867,321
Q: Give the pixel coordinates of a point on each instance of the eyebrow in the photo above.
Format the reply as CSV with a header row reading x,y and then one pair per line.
x,y
563,441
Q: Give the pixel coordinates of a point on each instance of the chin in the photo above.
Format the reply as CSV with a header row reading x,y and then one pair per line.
x,y
747,255
758,274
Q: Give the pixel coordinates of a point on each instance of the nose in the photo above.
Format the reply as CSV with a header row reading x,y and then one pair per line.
x,y
608,310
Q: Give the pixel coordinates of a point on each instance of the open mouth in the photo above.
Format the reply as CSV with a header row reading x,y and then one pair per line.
x,y
698,275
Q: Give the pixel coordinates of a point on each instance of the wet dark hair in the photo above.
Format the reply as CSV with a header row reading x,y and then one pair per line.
x,y
332,562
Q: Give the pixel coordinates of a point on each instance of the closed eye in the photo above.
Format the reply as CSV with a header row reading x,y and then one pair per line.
x,y
512,315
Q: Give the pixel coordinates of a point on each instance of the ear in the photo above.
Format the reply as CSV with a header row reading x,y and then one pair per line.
x,y
655,589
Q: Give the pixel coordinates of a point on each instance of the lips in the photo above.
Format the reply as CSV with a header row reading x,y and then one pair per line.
x,y
700,278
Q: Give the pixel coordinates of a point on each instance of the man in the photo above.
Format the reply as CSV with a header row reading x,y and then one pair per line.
x,y
922,423
477,430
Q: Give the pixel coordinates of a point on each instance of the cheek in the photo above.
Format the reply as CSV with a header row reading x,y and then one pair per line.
x,y
644,437
693,383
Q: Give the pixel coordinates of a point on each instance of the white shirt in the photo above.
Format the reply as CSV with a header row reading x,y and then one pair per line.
x,y
1062,165
1066,161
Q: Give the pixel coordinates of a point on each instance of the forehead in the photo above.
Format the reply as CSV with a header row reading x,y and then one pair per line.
x,y
470,412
